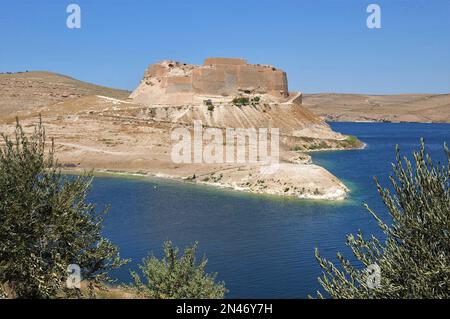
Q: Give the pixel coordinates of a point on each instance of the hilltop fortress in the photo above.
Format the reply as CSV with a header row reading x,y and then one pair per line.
x,y
171,82
101,129
183,93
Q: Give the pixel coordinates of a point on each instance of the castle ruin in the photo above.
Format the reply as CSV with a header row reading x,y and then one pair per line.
x,y
175,83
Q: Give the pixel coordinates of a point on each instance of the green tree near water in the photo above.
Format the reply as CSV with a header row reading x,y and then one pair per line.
x,y
46,224
177,277
414,259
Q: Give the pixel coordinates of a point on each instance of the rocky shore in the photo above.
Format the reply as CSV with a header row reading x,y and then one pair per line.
x,y
111,133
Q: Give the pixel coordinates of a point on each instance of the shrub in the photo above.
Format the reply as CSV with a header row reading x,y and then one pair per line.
x,y
239,101
46,223
414,259
353,140
256,100
176,277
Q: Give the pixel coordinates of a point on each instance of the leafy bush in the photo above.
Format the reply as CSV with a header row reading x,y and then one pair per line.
x,y
239,101
46,223
414,260
176,277
209,104
353,140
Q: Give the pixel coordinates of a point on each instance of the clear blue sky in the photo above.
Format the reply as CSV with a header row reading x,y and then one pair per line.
x,y
324,45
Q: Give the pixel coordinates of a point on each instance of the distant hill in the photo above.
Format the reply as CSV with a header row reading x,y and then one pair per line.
x,y
97,128
30,90
389,108
27,90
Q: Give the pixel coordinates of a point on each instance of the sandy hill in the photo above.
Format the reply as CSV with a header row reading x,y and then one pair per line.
x,y
228,92
28,90
389,108
112,130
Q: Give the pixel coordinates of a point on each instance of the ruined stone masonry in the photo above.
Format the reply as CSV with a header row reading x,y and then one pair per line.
x,y
182,93
175,83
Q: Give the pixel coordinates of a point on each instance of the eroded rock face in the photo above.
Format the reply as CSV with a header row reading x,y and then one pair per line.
x,y
183,93
171,82
96,128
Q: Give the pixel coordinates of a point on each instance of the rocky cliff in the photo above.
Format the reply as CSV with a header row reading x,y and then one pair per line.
x,y
229,92
97,128
173,83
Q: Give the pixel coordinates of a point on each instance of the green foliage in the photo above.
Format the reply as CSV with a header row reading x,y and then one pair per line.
x,y
414,259
176,277
255,100
240,101
322,145
350,142
353,140
209,104
46,223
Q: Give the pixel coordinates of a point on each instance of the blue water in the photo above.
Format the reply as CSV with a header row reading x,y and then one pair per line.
x,y
261,246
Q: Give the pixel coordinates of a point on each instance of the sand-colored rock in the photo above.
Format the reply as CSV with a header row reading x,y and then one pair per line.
x,y
174,83
123,136
176,92
31,90
428,108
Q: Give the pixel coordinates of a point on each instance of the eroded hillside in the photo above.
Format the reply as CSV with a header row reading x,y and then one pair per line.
x,y
101,129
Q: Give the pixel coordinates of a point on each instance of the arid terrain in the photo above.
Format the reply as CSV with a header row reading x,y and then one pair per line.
x,y
426,108
107,130
123,132
29,90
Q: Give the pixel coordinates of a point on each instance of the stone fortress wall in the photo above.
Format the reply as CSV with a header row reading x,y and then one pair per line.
x,y
171,81
223,76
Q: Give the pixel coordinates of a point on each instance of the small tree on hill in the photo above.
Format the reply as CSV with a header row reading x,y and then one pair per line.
x,y
46,223
176,277
414,259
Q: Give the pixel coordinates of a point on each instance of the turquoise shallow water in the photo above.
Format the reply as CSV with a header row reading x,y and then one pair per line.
x,y
262,247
